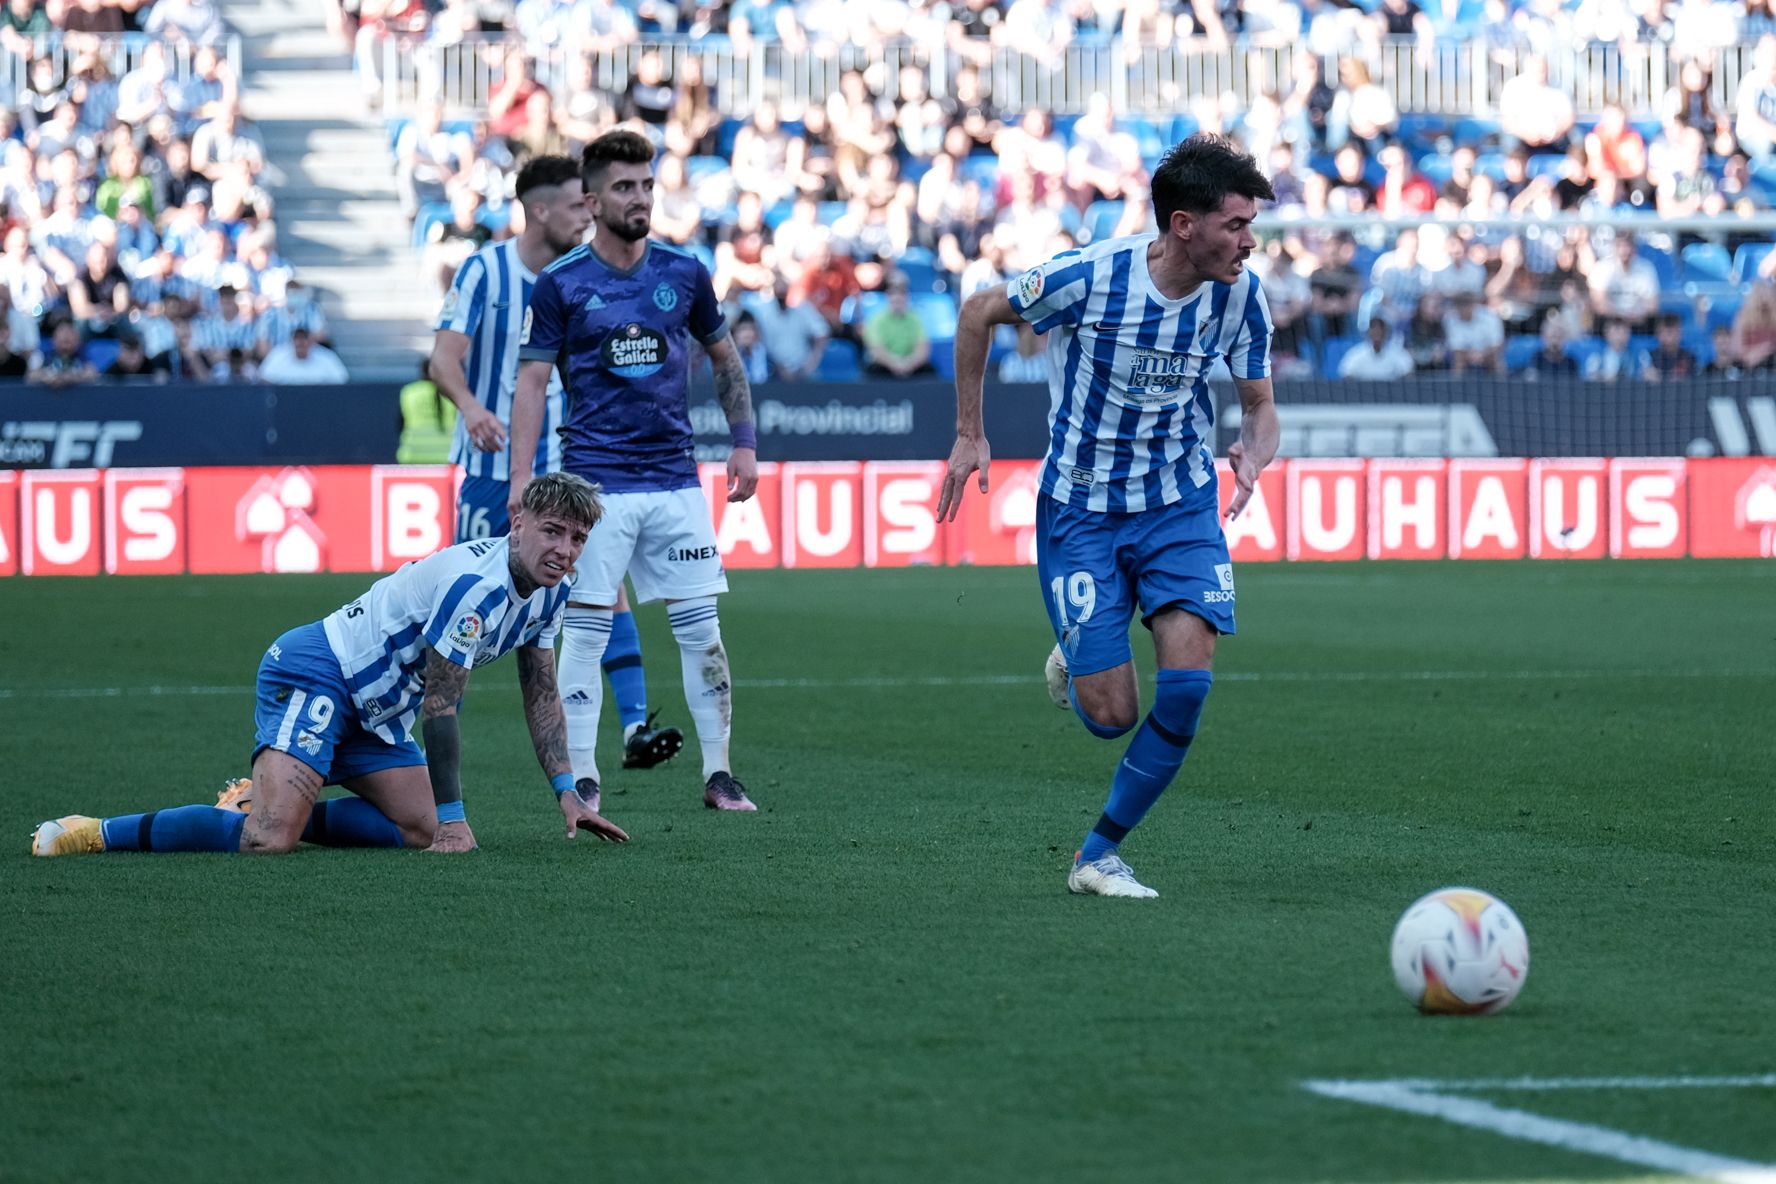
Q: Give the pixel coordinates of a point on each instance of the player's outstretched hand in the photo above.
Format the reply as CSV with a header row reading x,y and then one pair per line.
x,y
579,816
1245,477
969,454
485,430
453,838
743,474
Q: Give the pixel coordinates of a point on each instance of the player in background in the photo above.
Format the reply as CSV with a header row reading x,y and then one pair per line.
x,y
617,318
1130,512
337,700
475,363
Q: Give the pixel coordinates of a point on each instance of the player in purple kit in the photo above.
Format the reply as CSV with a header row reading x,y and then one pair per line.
x,y
617,319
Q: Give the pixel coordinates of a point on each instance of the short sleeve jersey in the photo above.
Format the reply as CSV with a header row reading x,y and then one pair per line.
x,y
1131,415
486,304
621,340
459,602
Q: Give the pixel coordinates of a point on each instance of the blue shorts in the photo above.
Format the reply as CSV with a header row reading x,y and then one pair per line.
x,y
1096,566
303,708
481,509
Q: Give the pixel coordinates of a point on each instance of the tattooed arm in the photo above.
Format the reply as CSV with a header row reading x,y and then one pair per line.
x,y
548,735
734,394
445,683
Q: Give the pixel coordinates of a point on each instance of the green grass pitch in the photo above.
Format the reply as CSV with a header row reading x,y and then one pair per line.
x,y
881,977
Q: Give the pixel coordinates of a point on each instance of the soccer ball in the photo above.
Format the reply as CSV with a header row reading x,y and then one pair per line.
x,y
1460,951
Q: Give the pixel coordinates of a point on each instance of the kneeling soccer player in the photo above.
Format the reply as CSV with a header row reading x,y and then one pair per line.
x,y
337,701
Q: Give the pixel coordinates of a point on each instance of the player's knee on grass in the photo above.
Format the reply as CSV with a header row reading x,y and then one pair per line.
x,y
265,834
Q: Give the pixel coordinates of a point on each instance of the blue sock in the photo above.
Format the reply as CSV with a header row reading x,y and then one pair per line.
x,y
182,828
1152,759
350,822
622,665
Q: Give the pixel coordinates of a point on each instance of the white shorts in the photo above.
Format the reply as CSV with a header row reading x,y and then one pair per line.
x,y
664,540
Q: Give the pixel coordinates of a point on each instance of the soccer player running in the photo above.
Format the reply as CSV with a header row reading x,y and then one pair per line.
x,y
337,700
617,318
475,363
1129,515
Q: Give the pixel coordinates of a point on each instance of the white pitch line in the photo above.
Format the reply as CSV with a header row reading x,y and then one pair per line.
x,y
867,682
1552,1132
1539,1084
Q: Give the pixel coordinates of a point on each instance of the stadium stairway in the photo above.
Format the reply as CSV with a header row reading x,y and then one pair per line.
x,y
328,173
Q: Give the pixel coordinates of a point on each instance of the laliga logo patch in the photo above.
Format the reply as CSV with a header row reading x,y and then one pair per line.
x,y
450,299
466,632
524,334
665,298
1224,573
1028,287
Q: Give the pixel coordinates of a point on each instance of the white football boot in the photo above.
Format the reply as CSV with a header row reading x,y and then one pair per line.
x,y
1107,875
1054,672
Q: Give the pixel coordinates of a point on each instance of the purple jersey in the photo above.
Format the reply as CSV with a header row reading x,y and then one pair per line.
x,y
622,342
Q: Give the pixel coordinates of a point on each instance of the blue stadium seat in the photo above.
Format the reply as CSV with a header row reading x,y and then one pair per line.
x,y
983,169
699,169
724,138
1148,134
1706,263
100,352
1101,218
1490,164
832,211
943,356
1063,127
1436,168
1583,349
1474,131
495,218
1420,132
778,214
1336,348
1547,165
1649,127
839,363
919,266
1520,350
937,312
432,213
1746,261
1723,310
1183,127
457,127
396,126
1662,263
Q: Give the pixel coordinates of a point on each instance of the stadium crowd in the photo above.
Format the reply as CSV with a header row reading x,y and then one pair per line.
x,y
137,241
858,223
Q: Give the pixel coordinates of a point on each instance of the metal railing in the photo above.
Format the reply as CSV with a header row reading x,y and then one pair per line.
x,y
1457,78
121,54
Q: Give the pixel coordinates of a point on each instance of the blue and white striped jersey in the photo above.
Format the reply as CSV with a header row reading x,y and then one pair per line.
x,y
486,303
1130,412
460,602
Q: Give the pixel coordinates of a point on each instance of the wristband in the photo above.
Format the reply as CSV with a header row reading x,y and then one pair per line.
x,y
561,783
744,434
451,812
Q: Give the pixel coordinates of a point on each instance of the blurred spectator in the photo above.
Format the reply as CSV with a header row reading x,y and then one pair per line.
x,y
1754,327
302,361
1514,290
225,141
186,360
1403,189
1351,191
1362,111
1723,362
14,365
1028,361
1400,278
678,215
742,252
99,295
380,22
1756,126
1619,359
520,109
143,92
1378,357
1425,339
894,339
1552,360
1336,288
132,363
794,333
1475,334
1668,358
91,19
236,369
1688,188
1624,285
695,125
1030,149
427,160
1308,107
753,356
21,327
829,280
196,22
761,157
449,243
21,25
62,364
1534,113
124,179
650,97
1104,164
229,329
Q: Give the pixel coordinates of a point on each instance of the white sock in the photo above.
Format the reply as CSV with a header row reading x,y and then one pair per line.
x,y
584,634
708,689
